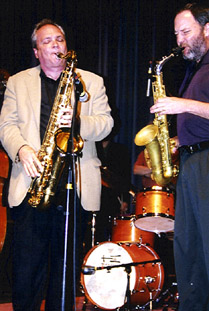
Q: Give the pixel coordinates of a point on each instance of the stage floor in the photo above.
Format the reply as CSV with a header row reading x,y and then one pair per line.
x,y
89,306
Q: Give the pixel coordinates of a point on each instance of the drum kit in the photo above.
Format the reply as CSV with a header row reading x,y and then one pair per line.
x,y
126,273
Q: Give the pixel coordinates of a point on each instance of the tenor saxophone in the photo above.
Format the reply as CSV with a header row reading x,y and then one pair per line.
x,y
156,136
56,143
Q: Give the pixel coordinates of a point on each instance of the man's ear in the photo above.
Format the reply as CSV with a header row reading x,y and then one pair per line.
x,y
206,30
35,52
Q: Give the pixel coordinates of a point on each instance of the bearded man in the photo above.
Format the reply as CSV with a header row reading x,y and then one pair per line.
x,y
191,235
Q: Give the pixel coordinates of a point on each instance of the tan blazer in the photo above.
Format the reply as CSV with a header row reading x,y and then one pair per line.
x,y
20,124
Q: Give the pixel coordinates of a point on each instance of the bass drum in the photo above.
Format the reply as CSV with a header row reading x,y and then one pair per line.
x,y
124,230
155,210
106,288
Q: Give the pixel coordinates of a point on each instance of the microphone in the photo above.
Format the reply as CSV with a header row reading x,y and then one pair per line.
x,y
83,95
149,79
88,270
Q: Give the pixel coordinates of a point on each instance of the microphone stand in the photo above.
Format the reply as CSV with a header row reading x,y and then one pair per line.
x,y
128,290
71,185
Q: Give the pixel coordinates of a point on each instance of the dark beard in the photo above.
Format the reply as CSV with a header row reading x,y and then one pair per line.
x,y
198,49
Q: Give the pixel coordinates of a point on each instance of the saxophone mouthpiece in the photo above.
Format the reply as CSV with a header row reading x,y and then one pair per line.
x,y
177,51
60,55
70,55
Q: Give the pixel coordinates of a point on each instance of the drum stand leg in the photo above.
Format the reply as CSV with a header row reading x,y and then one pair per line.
x,y
127,306
150,301
84,304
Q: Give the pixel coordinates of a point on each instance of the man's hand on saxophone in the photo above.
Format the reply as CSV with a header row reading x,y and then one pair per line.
x,y
175,105
169,105
65,117
28,158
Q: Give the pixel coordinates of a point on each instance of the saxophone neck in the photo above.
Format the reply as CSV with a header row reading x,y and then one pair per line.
x,y
175,52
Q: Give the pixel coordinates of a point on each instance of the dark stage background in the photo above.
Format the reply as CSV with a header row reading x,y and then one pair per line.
x,y
113,38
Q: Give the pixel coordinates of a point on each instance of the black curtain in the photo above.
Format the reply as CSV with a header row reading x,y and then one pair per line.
x,y
113,38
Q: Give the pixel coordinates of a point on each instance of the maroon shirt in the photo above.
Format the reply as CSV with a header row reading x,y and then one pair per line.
x,y
147,182
193,129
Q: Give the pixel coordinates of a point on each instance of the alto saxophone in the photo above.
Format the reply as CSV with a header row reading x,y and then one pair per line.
x,y
156,136
56,143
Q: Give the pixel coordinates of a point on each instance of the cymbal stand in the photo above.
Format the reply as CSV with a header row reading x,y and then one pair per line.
x,y
93,224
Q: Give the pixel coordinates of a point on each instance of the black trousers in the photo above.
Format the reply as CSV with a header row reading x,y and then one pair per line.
x,y
191,238
38,248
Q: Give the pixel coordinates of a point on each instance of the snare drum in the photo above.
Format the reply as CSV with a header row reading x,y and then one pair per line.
x,y
155,210
106,288
124,230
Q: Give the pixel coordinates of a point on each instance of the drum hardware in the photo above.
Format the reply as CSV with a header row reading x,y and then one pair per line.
x,y
149,279
168,298
150,300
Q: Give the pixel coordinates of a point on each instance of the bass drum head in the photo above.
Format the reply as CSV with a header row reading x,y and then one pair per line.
x,y
106,288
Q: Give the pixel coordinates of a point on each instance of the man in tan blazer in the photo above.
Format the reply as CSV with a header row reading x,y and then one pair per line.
x,y
25,104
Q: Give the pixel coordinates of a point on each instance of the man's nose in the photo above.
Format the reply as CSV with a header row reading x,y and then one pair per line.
x,y
180,39
55,43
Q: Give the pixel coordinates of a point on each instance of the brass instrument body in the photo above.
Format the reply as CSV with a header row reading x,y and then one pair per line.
x,y
56,143
156,136
163,132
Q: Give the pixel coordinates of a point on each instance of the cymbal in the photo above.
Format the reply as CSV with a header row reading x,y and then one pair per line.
x,y
116,182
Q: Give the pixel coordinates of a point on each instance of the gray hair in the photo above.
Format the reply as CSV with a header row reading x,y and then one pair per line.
x,y
42,23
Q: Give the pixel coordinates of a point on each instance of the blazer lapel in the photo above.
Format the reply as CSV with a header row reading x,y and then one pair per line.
x,y
34,92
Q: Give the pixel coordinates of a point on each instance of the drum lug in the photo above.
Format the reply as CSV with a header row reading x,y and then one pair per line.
x,y
149,279
144,210
139,245
142,290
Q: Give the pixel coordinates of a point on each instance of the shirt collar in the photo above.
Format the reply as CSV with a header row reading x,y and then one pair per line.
x,y
43,76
